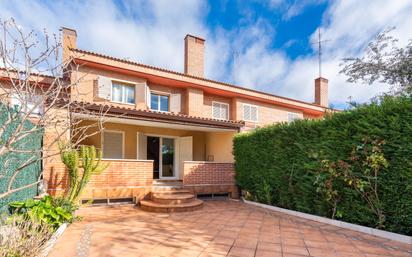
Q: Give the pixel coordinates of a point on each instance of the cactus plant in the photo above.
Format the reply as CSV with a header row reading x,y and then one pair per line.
x,y
81,164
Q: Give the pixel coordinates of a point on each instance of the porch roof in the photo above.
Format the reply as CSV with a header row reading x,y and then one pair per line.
x,y
155,116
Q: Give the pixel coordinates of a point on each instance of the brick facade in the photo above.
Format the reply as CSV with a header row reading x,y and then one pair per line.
x,y
122,179
210,178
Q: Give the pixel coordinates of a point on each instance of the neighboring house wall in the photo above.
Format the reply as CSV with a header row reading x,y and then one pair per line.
x,y
266,113
219,146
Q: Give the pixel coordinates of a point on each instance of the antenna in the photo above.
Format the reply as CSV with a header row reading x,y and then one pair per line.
x,y
319,43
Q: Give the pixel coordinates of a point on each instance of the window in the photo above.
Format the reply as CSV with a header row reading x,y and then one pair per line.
x,y
159,102
293,116
122,93
33,103
250,112
112,144
220,111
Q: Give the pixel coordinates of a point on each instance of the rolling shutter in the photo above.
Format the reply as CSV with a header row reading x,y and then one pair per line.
x,y
112,145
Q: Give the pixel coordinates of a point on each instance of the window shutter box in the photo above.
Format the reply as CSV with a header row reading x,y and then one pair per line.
x,y
175,103
104,87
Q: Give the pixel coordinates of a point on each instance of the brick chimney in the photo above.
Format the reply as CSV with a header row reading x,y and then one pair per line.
x,y
69,40
194,56
321,92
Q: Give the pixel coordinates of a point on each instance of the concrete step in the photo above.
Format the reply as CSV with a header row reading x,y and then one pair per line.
x,y
172,198
169,190
151,206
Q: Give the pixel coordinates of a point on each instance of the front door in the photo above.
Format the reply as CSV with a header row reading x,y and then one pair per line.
x,y
162,151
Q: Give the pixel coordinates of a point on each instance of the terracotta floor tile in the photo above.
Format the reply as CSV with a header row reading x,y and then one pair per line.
x,y
321,252
317,244
221,228
218,248
269,247
293,241
206,254
295,249
252,243
263,253
241,252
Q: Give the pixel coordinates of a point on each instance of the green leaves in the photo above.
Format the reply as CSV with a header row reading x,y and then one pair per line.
x,y
286,158
46,211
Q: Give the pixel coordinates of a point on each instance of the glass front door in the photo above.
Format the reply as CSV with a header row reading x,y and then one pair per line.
x,y
162,151
168,155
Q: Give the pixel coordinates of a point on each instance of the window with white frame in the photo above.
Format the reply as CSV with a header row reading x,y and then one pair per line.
x,y
250,112
293,116
28,103
220,111
112,143
159,102
122,93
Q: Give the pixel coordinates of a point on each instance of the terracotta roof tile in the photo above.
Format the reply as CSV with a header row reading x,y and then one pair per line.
x,y
142,114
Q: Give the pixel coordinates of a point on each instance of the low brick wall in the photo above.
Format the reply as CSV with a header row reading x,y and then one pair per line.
x,y
122,179
210,178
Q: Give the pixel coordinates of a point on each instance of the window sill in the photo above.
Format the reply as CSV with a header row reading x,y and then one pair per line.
x,y
134,104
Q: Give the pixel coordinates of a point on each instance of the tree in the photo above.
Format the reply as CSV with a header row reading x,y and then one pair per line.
x,y
383,62
36,88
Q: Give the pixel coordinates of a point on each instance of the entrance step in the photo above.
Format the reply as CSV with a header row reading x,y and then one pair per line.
x,y
167,183
172,198
151,206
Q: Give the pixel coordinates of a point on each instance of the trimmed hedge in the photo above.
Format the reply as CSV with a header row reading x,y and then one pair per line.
x,y
275,164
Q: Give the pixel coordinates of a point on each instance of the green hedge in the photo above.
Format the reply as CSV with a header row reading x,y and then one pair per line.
x,y
10,161
276,163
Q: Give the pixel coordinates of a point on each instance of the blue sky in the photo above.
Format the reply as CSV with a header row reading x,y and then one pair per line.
x,y
260,44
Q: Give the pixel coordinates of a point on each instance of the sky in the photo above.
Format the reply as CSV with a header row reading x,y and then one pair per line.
x,y
267,45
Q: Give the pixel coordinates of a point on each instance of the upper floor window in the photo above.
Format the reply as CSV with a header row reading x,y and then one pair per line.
x,y
28,103
250,112
123,93
220,111
293,116
159,102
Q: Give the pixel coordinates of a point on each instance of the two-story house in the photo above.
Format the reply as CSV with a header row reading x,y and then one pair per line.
x,y
168,126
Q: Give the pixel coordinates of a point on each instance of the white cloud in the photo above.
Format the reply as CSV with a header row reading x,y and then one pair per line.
x,y
152,32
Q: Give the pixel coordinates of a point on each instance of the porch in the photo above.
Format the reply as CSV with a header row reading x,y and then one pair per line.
x,y
196,158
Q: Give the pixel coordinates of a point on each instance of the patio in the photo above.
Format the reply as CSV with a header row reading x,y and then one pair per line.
x,y
221,228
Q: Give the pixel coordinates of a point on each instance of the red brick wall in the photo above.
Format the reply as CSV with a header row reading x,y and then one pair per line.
x,y
123,178
210,177
206,173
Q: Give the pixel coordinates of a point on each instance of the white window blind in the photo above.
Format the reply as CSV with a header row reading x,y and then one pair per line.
x,y
123,93
250,113
112,145
220,111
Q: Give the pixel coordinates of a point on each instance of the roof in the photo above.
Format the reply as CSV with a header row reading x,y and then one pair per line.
x,y
262,96
150,115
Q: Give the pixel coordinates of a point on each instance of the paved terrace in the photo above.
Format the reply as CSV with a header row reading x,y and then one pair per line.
x,y
221,228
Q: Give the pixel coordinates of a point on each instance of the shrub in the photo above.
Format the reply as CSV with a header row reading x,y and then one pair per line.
x,y
294,158
21,237
46,211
